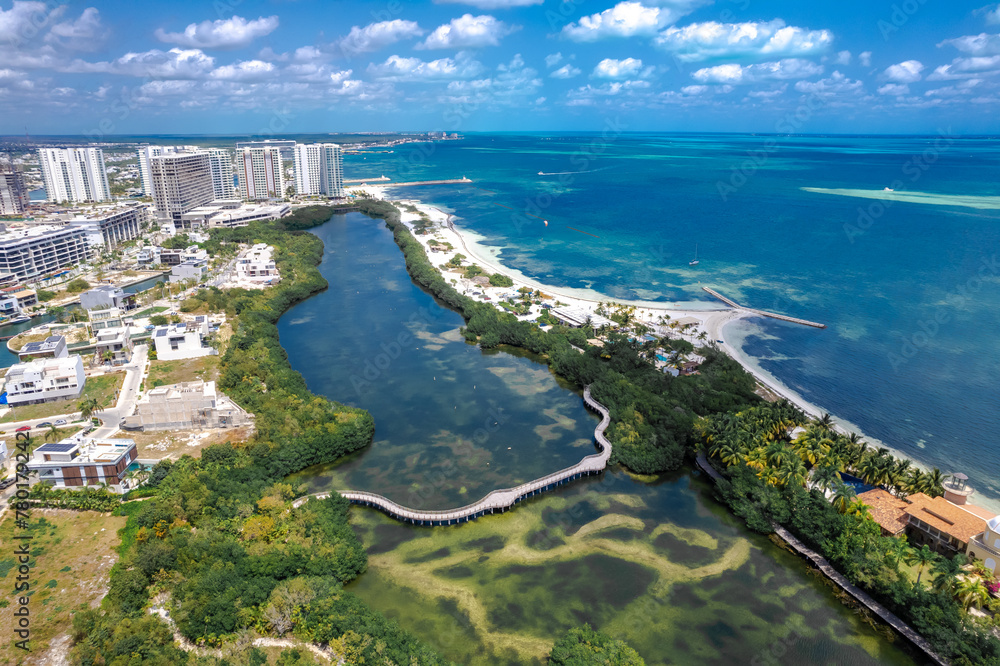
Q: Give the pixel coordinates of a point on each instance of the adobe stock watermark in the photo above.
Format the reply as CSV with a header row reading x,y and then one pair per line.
x,y
899,16
375,368
914,169
928,329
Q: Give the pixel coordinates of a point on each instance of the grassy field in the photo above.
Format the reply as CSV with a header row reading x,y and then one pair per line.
x,y
203,368
103,388
72,554
148,312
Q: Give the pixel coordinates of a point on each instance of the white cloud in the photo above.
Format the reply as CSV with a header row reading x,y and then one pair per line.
x,y
20,23
565,72
836,84
694,90
965,68
842,58
512,84
626,19
790,68
398,68
468,32
907,71
991,14
620,70
553,59
957,90
491,4
232,33
894,89
865,58
975,45
247,70
704,41
770,93
154,64
86,33
376,36
588,95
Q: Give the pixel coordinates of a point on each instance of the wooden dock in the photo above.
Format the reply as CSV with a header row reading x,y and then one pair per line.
x,y
498,501
763,313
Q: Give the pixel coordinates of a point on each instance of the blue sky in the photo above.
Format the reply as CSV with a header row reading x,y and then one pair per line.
x,y
243,67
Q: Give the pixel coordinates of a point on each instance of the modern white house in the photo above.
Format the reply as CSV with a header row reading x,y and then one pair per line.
x,y
257,265
180,341
80,461
74,174
44,380
186,405
193,265
107,296
53,346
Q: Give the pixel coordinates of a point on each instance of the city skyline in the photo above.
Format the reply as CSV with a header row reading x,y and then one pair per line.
x,y
112,68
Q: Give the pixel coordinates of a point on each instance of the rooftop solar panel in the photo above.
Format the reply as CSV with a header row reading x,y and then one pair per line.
x,y
57,447
161,333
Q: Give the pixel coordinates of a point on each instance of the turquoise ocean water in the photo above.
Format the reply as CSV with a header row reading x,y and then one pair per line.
x,y
910,289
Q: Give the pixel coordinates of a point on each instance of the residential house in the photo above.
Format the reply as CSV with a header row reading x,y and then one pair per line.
x,y
53,346
257,265
45,380
80,461
180,341
986,546
107,296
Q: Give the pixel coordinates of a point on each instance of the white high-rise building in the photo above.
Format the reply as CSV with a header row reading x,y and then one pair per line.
x,y
74,174
319,169
146,153
181,182
260,173
221,163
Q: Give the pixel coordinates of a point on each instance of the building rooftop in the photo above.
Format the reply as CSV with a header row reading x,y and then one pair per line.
x,y
886,509
82,450
946,517
49,344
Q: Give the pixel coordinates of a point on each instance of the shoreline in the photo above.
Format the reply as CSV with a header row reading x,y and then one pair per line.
x,y
712,321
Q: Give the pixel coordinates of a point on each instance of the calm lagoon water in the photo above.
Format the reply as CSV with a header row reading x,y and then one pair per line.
x,y
911,291
654,560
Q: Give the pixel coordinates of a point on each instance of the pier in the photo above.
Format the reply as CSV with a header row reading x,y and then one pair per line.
x,y
385,181
733,304
366,180
500,500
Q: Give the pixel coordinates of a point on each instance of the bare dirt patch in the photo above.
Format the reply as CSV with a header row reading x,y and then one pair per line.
x,y
173,444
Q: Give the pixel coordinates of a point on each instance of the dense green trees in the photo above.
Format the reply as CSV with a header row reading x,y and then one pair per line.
x,y
586,647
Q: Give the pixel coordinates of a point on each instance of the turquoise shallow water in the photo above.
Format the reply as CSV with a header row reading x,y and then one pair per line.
x,y
909,290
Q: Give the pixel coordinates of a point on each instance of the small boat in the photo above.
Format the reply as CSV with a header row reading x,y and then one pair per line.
x,y
694,262
541,173
20,319
888,189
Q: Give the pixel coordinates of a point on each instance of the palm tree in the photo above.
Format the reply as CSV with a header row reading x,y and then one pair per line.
x,y
729,455
972,592
921,558
53,434
792,473
826,477
946,573
935,482
825,421
777,453
843,497
89,407
858,508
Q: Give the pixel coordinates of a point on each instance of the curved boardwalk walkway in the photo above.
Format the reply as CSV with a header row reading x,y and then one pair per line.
x,y
842,582
499,500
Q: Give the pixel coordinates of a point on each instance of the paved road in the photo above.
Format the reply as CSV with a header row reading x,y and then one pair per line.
x,y
134,372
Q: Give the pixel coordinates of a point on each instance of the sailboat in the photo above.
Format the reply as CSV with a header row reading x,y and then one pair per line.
x,y
694,262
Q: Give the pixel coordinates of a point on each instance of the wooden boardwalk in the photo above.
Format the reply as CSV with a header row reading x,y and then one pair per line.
x,y
763,313
499,500
842,582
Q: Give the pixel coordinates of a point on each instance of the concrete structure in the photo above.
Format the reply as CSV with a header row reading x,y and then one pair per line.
x,y
286,147
45,380
14,197
182,181
31,253
109,227
232,213
257,265
986,546
105,318
74,174
221,163
193,264
107,296
319,169
180,341
260,174
80,461
53,346
148,256
25,297
186,405
146,154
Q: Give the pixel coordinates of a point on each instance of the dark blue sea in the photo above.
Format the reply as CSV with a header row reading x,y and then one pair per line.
x,y
908,282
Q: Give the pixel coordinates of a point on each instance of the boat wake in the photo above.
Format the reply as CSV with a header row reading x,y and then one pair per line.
x,y
566,173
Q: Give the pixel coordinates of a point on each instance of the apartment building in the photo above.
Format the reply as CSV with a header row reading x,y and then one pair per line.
x,y
221,164
319,169
181,182
74,175
145,155
106,228
13,193
260,174
32,252
44,380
